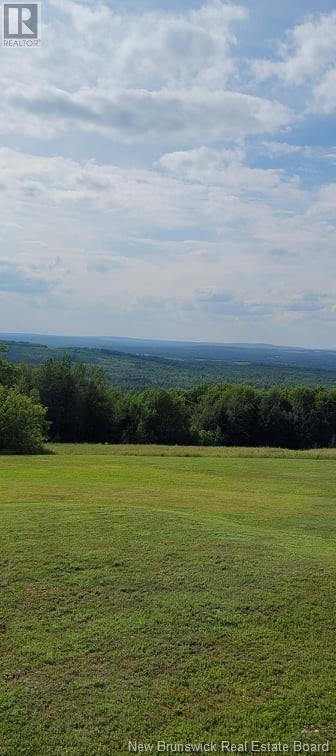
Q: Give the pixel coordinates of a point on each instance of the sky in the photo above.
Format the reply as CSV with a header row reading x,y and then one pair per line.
x,y
168,170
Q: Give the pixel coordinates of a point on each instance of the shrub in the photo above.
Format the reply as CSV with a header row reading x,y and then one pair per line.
x,y
23,426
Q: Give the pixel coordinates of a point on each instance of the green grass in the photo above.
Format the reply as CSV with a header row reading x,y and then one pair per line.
x,y
176,594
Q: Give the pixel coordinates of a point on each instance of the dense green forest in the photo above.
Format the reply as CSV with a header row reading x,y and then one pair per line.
x,y
75,403
259,367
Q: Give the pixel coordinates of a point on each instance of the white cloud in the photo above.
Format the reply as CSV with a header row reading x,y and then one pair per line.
x,y
16,279
152,50
227,303
324,96
201,187
227,169
140,115
283,149
206,232
135,77
323,208
307,50
93,221
276,149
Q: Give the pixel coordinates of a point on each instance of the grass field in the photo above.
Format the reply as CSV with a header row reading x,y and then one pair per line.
x,y
166,594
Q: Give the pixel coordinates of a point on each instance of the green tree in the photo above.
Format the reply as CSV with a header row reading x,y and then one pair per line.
x,y
101,410
157,416
228,414
23,425
8,373
59,387
276,418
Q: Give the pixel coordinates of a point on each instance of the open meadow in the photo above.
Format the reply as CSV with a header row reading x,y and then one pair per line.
x,y
176,594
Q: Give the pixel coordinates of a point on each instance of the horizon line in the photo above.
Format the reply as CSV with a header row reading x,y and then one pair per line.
x,y
168,341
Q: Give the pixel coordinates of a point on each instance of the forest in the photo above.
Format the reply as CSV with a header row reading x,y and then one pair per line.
x,y
185,366
64,402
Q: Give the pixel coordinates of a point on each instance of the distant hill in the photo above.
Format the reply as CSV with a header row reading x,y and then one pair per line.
x,y
131,363
268,354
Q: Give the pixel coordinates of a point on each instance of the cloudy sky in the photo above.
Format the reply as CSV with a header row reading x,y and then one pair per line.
x,y
168,170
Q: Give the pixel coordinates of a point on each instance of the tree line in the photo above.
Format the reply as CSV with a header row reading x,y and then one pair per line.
x,y
63,402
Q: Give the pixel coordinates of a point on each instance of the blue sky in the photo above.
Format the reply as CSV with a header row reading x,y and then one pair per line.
x,y
167,170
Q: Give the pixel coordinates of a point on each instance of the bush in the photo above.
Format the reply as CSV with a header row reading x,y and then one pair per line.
x,y
23,426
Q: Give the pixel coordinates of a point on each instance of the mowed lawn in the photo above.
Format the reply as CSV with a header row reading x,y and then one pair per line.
x,y
166,594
